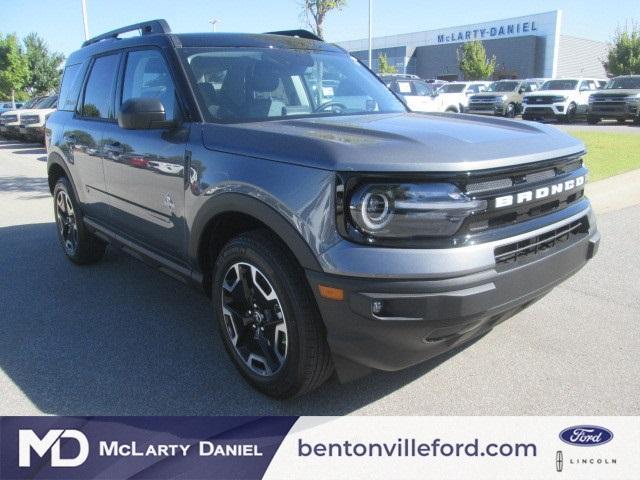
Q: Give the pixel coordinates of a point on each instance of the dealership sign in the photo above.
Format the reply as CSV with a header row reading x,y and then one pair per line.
x,y
506,30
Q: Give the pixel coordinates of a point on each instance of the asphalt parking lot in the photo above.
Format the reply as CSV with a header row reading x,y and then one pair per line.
x,y
119,338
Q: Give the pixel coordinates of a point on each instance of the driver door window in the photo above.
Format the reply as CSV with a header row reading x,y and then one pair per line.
x,y
147,76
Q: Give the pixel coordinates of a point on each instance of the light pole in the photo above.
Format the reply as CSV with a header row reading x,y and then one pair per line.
x,y
370,20
84,20
213,22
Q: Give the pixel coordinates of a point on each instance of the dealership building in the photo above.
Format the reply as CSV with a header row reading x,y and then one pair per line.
x,y
532,46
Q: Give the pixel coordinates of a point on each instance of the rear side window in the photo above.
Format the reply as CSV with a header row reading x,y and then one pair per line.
x,y
98,93
71,83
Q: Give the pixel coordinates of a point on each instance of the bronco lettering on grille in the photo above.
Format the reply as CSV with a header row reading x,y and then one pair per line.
x,y
538,193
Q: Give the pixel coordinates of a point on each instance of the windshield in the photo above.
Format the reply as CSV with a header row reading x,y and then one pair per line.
x,y
242,84
631,83
46,102
32,102
502,87
560,85
452,88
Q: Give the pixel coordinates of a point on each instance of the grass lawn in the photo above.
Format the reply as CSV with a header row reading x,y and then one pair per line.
x,y
609,153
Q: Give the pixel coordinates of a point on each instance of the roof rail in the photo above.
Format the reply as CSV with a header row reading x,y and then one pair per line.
x,y
297,33
152,26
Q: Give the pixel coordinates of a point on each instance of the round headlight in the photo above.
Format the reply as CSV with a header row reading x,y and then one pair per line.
x,y
375,210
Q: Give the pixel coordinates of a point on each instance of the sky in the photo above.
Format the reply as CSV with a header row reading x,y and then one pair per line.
x,y
59,22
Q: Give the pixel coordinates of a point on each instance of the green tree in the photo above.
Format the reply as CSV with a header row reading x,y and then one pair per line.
x,y
44,66
14,70
315,12
473,61
383,65
624,54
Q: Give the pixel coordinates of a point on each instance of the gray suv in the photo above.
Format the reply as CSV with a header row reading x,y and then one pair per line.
x,y
332,233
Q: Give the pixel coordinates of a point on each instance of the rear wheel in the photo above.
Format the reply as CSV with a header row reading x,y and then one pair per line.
x,y
79,245
268,318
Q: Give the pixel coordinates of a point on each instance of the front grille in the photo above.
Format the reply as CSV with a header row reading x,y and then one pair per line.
x,y
519,179
481,106
29,119
546,100
616,97
9,118
527,250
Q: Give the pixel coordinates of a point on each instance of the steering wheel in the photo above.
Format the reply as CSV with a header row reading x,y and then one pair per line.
x,y
334,106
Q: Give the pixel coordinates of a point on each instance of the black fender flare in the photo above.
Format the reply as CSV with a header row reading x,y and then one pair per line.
x,y
56,159
244,204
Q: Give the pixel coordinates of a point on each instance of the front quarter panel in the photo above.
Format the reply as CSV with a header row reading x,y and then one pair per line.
x,y
300,197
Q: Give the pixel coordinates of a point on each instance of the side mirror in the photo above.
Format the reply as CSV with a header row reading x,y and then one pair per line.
x,y
142,114
521,91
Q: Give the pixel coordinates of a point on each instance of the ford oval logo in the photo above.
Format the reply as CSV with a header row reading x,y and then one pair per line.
x,y
586,435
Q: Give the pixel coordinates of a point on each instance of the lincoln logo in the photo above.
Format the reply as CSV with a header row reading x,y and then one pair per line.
x,y
539,193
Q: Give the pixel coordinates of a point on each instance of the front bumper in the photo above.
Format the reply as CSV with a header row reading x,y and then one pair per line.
x,y
553,110
33,131
617,110
421,318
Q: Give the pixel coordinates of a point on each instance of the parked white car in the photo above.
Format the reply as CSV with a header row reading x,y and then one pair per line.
x,y
10,119
454,96
563,99
415,93
32,121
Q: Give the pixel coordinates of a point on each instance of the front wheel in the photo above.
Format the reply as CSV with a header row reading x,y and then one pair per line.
x,y
510,111
591,120
79,245
570,116
267,316
621,121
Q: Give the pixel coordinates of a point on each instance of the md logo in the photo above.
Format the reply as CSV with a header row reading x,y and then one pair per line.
x,y
28,440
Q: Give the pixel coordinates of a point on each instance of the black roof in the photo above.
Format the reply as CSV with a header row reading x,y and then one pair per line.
x,y
157,33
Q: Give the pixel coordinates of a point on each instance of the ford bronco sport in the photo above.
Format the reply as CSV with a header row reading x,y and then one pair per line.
x,y
345,234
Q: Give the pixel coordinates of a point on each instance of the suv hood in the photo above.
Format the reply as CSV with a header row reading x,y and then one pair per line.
x,y
399,142
550,93
490,94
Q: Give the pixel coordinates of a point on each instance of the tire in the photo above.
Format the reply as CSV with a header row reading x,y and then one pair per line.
x,y
591,120
304,363
621,121
636,120
510,111
79,245
451,110
570,116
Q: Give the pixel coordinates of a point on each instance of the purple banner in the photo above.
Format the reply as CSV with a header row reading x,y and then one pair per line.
x,y
139,447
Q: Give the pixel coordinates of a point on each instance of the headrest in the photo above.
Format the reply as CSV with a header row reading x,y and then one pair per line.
x,y
265,78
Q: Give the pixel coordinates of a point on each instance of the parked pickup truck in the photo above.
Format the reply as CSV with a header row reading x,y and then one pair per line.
x,y
345,234
10,119
502,98
620,100
563,100
32,121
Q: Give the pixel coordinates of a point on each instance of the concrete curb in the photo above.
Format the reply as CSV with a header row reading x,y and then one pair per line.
x,y
615,193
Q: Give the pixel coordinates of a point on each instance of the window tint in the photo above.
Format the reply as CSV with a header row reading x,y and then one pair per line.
x,y
147,75
71,82
98,93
